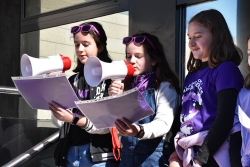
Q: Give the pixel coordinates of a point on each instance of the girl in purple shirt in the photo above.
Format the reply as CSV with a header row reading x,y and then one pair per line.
x,y
209,95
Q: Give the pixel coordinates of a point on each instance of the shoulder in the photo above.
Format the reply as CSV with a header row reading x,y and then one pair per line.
x,y
227,66
167,89
230,70
244,100
227,75
166,95
244,94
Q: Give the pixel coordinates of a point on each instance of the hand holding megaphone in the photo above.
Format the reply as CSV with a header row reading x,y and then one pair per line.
x,y
31,66
115,88
95,70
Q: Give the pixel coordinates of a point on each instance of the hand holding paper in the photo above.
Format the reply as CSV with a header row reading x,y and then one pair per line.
x,y
104,112
126,128
60,113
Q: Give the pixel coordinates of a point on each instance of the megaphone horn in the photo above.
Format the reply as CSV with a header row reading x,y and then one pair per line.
x,y
96,70
31,66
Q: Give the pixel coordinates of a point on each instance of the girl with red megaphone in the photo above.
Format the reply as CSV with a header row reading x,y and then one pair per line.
x,y
143,141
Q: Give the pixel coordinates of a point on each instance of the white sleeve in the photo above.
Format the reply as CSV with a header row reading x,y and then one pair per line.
x,y
90,128
166,99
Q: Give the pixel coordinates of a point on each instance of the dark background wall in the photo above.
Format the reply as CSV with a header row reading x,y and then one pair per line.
x,y
243,30
10,24
157,18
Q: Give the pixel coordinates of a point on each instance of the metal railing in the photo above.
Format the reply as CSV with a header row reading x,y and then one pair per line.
x,y
21,159
9,90
26,156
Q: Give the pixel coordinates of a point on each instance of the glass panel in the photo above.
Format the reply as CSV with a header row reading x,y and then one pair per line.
x,y
35,7
229,13
58,40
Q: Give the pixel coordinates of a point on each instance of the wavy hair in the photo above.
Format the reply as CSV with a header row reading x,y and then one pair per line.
x,y
161,69
222,47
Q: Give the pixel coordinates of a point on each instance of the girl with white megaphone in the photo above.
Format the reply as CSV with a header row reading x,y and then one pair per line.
x,y
143,141
77,146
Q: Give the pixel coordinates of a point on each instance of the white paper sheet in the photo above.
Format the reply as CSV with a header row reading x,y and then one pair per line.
x,y
40,90
103,112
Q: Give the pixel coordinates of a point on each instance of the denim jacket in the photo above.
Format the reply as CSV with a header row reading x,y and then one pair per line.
x,y
131,146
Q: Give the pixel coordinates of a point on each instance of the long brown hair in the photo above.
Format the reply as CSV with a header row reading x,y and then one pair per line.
x,y
161,69
101,43
222,47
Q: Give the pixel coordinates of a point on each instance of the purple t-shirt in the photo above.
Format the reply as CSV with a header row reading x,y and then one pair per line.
x,y
243,102
199,99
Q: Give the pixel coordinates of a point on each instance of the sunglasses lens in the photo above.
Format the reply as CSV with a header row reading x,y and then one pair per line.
x,y
139,39
74,29
86,28
127,40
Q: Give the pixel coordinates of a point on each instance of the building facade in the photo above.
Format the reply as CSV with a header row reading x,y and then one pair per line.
x,y
40,28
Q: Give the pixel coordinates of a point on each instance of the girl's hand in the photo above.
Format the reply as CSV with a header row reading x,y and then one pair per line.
x,y
60,113
197,163
116,87
125,127
175,163
174,160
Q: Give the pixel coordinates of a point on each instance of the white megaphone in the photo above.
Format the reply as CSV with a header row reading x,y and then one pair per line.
x,y
31,66
96,70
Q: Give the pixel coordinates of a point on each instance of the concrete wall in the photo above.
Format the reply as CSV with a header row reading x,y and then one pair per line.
x,y
156,18
35,7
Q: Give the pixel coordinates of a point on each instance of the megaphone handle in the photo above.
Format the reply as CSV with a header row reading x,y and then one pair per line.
x,y
117,80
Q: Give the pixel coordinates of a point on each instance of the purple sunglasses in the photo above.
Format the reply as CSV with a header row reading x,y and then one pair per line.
x,y
84,28
137,40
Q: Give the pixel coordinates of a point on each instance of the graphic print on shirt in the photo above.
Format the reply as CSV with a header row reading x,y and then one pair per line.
x,y
192,105
100,91
83,93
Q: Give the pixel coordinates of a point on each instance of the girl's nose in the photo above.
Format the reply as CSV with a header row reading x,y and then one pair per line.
x,y
133,59
81,47
191,42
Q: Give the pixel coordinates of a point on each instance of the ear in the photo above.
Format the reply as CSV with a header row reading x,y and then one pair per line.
x,y
100,49
153,63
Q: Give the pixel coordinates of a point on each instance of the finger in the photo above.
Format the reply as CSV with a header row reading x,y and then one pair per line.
x,y
127,123
52,107
55,104
59,108
55,113
113,92
122,86
116,84
114,88
120,128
